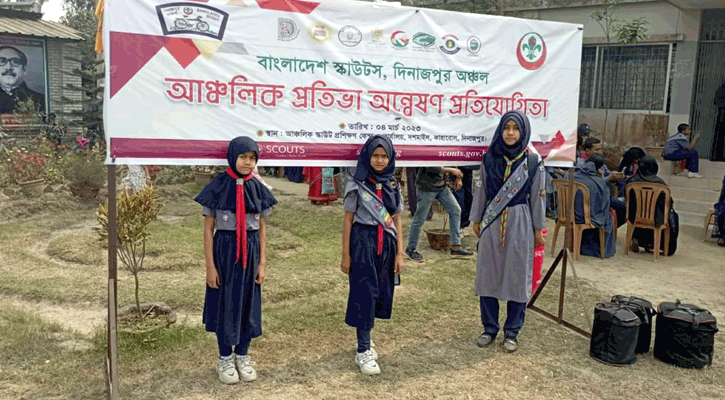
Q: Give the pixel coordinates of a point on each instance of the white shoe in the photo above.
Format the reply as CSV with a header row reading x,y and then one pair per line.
x,y
372,349
227,373
693,175
245,366
367,364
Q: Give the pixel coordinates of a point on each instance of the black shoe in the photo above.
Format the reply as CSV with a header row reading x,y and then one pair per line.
x,y
414,255
461,253
485,339
635,246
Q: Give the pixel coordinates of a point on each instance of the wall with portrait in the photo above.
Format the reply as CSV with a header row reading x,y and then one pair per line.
x,y
30,83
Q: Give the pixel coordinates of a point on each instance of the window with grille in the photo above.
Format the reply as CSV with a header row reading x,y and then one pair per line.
x,y
625,77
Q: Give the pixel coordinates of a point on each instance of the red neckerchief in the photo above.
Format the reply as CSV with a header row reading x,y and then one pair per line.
x,y
241,215
379,189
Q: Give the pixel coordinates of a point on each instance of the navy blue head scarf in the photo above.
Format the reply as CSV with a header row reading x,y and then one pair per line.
x,y
493,160
364,173
221,192
647,169
634,153
238,146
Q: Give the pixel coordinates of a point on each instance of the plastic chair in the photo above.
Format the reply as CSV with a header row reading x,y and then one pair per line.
x,y
710,219
645,197
565,214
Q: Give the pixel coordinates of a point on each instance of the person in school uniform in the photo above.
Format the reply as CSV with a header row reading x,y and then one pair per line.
x,y
235,208
720,215
680,147
508,215
372,244
647,169
589,175
628,166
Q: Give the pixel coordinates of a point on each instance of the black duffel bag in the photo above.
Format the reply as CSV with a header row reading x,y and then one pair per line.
x,y
644,310
614,334
684,335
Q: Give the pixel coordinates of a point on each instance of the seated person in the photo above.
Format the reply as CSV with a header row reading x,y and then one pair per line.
x,y
720,214
647,172
589,174
628,166
582,134
594,146
679,147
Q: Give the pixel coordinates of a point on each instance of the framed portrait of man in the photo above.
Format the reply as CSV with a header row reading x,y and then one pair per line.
x,y
23,74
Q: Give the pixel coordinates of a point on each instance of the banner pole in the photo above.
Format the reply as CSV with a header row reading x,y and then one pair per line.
x,y
568,232
113,383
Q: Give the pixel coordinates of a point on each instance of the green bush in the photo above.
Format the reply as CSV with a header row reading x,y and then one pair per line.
x,y
134,214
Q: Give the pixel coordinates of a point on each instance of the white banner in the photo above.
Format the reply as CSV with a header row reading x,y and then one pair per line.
x,y
310,81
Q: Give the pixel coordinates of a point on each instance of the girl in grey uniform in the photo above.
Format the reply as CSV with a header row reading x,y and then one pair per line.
x,y
372,251
509,213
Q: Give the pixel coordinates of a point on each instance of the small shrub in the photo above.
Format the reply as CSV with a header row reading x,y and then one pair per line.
x,y
84,169
134,214
25,166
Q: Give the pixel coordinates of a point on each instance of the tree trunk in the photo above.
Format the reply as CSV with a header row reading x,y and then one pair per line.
x,y
138,302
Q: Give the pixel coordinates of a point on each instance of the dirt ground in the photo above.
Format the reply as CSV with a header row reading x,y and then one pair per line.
x,y
694,275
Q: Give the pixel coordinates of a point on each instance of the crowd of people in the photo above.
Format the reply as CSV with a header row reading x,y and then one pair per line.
x,y
506,208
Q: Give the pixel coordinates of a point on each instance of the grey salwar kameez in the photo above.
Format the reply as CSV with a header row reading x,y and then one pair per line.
x,y
505,272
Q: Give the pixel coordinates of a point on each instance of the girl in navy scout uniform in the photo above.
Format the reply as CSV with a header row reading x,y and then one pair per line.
x,y
372,250
236,205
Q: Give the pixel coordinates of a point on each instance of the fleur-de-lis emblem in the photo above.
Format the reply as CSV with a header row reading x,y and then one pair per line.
x,y
531,47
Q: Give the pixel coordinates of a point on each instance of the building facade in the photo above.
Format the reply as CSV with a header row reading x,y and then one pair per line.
x,y
639,93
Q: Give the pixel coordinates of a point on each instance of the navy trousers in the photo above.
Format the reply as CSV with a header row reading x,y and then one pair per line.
x,y
516,313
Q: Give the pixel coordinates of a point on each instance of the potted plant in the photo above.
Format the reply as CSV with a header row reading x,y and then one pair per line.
x,y
655,138
439,239
203,174
28,170
85,173
134,214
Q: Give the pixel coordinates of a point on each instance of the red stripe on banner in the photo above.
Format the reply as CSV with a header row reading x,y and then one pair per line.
x,y
554,143
298,6
129,53
217,149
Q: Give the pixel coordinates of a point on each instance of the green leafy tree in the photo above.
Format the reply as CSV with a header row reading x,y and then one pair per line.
x,y
632,31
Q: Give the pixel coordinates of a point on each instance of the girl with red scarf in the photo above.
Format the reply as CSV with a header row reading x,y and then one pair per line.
x,y
372,244
236,206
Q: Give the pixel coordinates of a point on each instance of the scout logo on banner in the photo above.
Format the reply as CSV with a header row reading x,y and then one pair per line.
x,y
311,81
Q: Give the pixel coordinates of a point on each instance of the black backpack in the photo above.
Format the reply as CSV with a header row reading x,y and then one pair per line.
x,y
645,312
685,335
614,334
